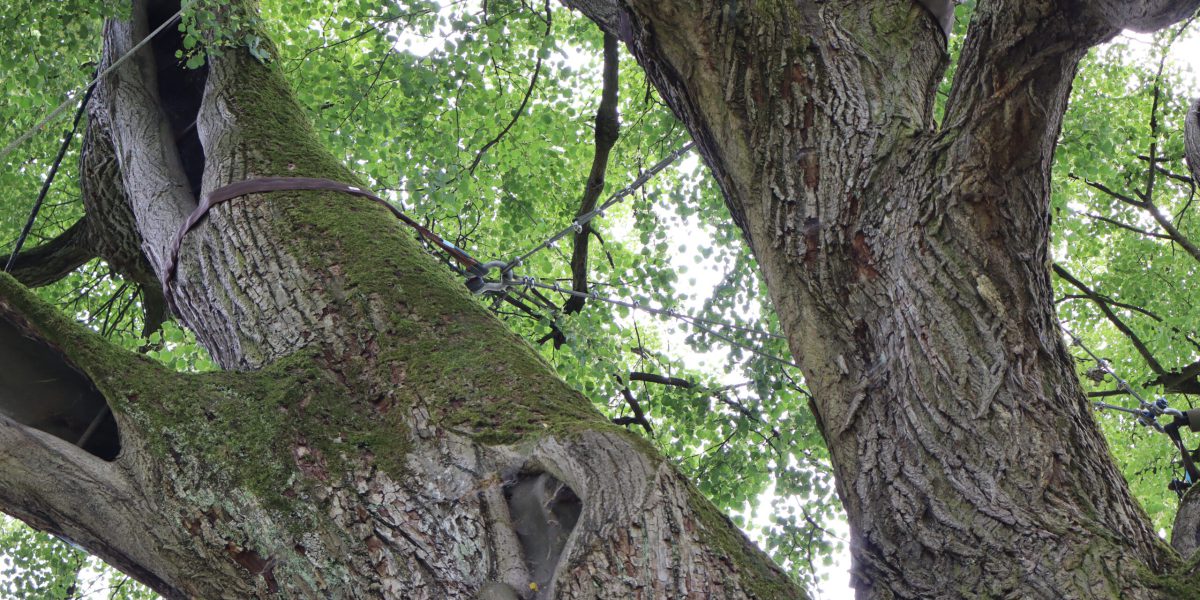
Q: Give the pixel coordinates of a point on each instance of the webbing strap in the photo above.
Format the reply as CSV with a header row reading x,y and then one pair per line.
x,y
278,184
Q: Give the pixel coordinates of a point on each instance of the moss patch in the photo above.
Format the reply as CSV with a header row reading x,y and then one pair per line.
x,y
759,577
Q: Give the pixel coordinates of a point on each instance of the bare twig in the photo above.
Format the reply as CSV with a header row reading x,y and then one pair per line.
x,y
537,70
1112,318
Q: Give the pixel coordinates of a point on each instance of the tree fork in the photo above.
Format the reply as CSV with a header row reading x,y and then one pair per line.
x,y
907,262
376,432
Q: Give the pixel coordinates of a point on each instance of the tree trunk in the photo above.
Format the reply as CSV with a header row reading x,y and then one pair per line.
x,y
369,438
376,432
908,263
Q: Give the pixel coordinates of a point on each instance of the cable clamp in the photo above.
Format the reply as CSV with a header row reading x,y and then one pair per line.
x,y
480,285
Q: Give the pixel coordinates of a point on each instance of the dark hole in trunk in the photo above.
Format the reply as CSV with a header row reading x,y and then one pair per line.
x,y
544,511
180,91
40,389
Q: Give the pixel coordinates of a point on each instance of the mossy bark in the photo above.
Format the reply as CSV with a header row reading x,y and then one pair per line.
x,y
374,428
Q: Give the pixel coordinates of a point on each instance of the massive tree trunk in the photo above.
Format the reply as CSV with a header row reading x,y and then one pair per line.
x,y
908,263
377,433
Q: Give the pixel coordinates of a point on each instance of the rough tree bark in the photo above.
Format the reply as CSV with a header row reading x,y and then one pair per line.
x,y
907,260
376,433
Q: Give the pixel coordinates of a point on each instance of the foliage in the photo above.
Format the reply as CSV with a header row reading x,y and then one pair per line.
x,y
477,119
36,566
1123,111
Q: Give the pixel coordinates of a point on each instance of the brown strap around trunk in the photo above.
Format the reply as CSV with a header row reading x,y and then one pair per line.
x,y
278,184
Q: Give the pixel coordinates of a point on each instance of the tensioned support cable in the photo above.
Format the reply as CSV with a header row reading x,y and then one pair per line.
x,y
66,103
696,322
576,226
48,181
665,312
1103,364
1148,415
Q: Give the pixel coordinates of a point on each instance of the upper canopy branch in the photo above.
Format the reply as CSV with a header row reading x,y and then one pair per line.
x,y
1141,15
1192,140
1017,64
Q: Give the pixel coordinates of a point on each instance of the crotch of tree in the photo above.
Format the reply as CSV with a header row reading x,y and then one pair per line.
x,y
40,389
180,91
544,511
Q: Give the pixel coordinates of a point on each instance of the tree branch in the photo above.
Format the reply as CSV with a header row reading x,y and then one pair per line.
x,y
1191,137
1014,78
1179,381
660,379
1147,204
49,405
1140,15
1018,60
1184,179
1128,227
607,131
1137,309
639,416
1109,191
537,71
55,259
151,173
56,487
1112,317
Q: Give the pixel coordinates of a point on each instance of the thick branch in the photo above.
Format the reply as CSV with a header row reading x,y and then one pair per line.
x,y
128,105
607,131
1141,15
1180,381
1016,70
56,487
1010,92
55,259
48,401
